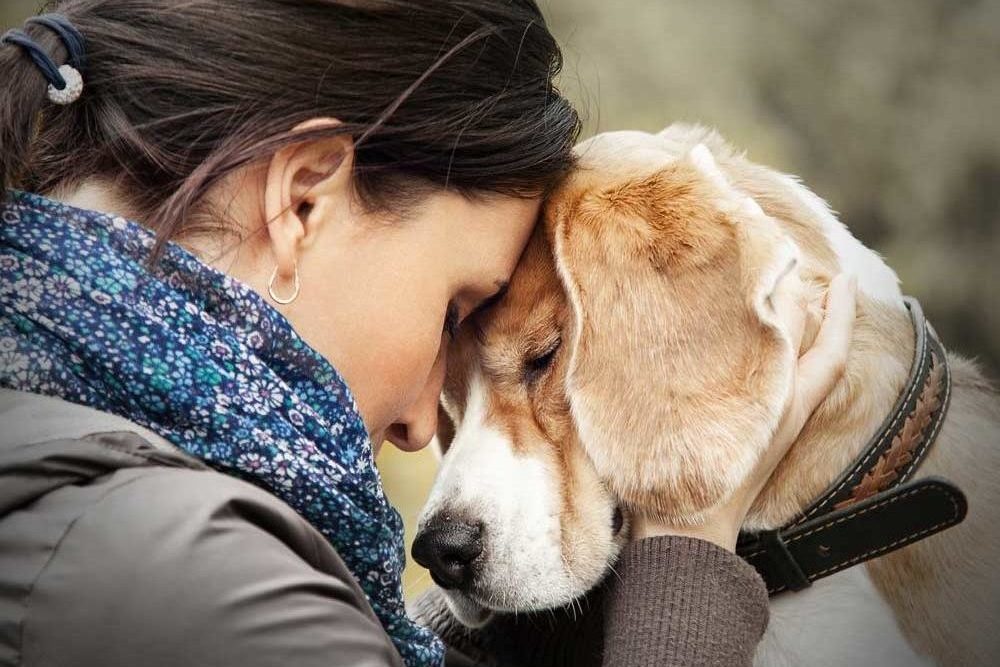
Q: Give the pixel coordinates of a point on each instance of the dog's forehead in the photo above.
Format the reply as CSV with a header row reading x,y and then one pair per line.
x,y
625,153
534,290
532,310
612,161
530,313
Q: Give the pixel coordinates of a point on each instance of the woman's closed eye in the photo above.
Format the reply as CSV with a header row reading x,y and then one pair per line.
x,y
453,318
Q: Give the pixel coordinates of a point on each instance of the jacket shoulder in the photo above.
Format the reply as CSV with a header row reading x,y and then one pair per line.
x,y
179,566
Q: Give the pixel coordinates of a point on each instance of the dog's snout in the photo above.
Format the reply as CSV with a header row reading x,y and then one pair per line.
x,y
448,547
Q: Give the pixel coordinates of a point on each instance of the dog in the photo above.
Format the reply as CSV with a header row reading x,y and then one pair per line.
x,y
636,363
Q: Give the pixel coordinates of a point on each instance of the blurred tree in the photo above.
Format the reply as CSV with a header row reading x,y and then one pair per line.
x,y
890,110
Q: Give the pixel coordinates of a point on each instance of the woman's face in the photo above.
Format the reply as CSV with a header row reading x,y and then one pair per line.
x,y
376,297
377,291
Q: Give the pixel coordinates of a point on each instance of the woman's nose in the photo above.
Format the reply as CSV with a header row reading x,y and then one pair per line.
x,y
417,426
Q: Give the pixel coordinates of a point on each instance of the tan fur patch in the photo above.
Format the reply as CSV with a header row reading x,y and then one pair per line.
x,y
665,307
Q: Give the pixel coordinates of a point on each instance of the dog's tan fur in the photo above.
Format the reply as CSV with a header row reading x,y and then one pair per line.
x,y
674,275
673,368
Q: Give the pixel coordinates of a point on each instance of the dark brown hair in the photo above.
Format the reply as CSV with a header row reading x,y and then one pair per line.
x,y
180,93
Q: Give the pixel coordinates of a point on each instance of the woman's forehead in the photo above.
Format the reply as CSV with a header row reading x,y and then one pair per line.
x,y
491,234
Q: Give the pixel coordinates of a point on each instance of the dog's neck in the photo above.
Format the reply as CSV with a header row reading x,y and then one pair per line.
x,y
877,370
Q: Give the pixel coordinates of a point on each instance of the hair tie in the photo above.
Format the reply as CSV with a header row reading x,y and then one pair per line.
x,y
65,81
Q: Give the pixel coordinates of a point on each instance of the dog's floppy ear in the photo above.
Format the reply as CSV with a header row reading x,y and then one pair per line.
x,y
678,368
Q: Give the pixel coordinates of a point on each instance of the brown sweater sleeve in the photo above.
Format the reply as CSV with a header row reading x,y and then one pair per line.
x,y
671,601
683,601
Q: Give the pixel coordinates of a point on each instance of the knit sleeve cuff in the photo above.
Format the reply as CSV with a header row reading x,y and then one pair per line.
x,y
683,601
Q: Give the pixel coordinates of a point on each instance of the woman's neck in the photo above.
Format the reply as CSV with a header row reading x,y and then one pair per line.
x,y
94,194
218,249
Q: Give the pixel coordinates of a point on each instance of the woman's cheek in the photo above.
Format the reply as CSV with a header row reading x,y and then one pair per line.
x,y
403,379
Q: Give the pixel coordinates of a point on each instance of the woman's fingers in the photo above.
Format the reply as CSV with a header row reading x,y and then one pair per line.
x,y
824,362
817,371
816,374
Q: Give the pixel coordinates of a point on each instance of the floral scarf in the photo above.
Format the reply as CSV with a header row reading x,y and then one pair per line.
x,y
204,361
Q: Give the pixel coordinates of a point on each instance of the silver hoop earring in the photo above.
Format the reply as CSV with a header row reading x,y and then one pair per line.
x,y
284,301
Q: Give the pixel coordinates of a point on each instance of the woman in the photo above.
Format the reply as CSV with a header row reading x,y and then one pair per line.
x,y
326,191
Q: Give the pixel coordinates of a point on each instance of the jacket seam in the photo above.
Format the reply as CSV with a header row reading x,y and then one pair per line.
x,y
55,549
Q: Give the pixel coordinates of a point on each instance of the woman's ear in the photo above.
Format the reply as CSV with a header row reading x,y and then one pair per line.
x,y
308,185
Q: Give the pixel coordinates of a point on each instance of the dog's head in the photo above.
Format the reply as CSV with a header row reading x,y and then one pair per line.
x,y
518,517
637,361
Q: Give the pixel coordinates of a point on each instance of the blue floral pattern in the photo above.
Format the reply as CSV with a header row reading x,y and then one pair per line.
x,y
204,361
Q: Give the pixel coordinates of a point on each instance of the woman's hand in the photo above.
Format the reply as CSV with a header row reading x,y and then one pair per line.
x,y
817,372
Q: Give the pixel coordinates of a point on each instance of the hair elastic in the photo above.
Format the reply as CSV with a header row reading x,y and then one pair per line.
x,y
65,81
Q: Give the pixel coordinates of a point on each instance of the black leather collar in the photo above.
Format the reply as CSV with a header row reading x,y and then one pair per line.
x,y
872,508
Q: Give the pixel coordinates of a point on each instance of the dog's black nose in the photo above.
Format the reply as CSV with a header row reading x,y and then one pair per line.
x,y
448,547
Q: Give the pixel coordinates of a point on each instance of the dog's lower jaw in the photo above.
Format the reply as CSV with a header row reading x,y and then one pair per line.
x,y
468,612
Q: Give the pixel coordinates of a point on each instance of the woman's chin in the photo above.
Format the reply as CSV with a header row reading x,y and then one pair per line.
x,y
469,613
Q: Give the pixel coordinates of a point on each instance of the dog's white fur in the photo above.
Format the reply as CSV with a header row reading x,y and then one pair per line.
x,y
843,620
516,495
481,474
937,601
875,277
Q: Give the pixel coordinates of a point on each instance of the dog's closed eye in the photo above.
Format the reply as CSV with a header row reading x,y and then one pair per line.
x,y
536,365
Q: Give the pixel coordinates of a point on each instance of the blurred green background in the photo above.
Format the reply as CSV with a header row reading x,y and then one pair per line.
x,y
888,109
